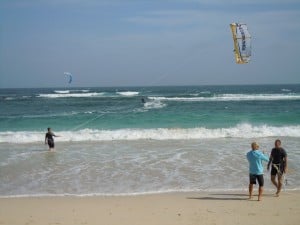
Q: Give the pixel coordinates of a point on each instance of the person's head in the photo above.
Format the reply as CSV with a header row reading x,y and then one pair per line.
x,y
49,129
254,146
277,143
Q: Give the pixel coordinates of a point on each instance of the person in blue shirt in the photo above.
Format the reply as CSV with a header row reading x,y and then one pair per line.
x,y
256,169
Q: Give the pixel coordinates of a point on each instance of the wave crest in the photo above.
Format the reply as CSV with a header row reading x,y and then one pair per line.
x,y
233,97
73,95
128,93
239,131
154,105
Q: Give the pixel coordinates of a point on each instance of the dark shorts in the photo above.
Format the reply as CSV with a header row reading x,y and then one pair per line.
x,y
50,143
278,170
259,178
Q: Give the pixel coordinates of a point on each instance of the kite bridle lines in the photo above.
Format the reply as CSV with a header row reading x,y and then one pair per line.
x,y
157,81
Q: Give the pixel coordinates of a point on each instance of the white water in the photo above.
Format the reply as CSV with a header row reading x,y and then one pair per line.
x,y
233,97
128,93
239,131
156,104
135,167
72,95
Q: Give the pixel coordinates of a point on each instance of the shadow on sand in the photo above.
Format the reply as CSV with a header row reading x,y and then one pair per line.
x,y
228,196
231,197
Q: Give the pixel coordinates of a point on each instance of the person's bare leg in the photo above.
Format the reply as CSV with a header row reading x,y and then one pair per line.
x,y
250,191
260,192
279,184
273,179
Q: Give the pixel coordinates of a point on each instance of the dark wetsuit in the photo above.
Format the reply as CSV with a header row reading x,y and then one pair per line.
x,y
50,140
278,156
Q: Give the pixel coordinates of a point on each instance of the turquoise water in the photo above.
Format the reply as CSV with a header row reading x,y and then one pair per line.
x,y
112,143
165,107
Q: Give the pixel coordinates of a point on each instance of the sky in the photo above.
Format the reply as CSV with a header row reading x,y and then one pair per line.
x,y
146,42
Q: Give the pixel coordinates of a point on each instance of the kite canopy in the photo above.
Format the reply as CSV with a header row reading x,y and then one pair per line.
x,y
242,42
69,76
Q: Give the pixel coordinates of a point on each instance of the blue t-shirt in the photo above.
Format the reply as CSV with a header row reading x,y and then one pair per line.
x,y
255,158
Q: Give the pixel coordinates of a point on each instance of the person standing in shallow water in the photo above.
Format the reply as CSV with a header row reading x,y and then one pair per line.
x,y
49,139
256,169
278,158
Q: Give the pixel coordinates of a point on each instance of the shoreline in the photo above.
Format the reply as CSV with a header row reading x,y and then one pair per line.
x,y
166,208
269,191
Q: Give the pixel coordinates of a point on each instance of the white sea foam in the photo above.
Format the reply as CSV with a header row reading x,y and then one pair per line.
x,y
200,93
72,95
112,168
154,105
219,191
15,98
233,97
285,90
62,91
128,93
10,98
239,131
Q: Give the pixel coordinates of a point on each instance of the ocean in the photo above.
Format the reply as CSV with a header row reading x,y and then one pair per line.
x,y
139,140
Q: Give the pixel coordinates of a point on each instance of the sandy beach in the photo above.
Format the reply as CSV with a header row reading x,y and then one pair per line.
x,y
176,208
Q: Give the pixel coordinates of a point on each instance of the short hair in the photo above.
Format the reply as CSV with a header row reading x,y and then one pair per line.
x,y
48,128
277,141
254,145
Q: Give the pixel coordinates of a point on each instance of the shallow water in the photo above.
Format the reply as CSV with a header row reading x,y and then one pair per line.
x,y
135,167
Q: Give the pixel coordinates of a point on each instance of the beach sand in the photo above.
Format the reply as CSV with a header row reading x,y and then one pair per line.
x,y
158,209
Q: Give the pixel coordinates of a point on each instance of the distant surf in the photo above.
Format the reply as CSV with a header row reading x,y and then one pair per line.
x,y
71,95
233,97
128,93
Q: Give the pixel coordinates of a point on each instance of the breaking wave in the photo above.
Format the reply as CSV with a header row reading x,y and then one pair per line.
x,y
86,94
62,91
128,93
239,131
154,105
71,95
234,97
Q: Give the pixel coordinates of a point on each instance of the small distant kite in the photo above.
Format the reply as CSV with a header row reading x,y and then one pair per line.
x,y
69,76
242,42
